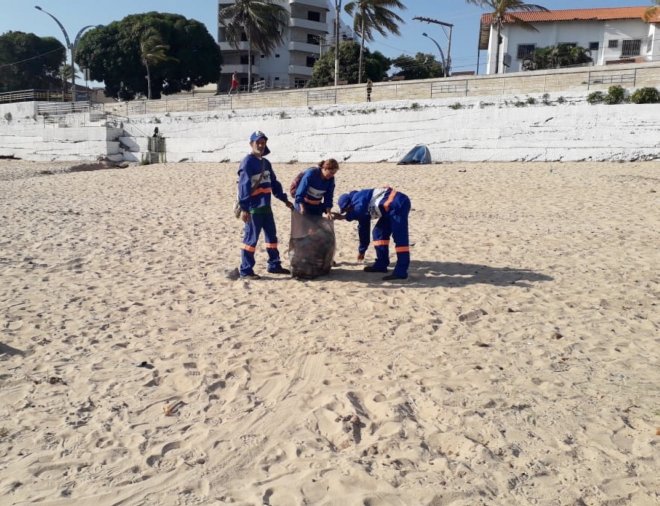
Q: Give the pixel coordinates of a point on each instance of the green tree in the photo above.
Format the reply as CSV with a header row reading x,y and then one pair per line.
x,y
112,54
376,65
422,66
652,12
261,23
28,61
371,16
152,52
504,12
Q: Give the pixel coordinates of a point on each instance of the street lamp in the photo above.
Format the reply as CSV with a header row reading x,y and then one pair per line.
x,y
442,23
70,47
442,55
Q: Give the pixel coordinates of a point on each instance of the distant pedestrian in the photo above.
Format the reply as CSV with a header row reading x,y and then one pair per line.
x,y
234,84
370,86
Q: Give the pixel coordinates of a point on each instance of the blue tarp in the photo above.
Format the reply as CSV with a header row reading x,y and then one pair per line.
x,y
420,154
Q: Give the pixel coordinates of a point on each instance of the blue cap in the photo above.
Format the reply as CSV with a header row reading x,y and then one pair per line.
x,y
344,201
258,135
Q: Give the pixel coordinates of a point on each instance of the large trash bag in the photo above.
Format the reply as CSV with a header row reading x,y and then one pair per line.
x,y
420,154
312,245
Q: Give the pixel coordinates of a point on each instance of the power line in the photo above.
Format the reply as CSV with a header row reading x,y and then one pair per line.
x,y
28,59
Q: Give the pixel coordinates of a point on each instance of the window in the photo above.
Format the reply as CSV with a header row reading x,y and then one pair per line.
x,y
313,39
631,47
311,60
525,50
593,46
244,59
612,44
299,83
314,16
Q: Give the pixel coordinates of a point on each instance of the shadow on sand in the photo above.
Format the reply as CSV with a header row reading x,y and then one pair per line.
x,y
445,274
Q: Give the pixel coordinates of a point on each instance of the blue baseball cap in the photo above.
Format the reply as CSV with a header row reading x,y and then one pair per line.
x,y
258,135
344,201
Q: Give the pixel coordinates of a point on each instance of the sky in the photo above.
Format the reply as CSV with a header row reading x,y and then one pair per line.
x,y
20,15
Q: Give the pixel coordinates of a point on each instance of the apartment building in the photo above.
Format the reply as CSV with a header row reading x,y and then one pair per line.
x,y
309,35
613,35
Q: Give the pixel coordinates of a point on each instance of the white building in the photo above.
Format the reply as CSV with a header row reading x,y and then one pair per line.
x,y
310,34
614,35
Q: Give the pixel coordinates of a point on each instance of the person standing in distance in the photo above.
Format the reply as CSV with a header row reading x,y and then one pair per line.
x,y
256,183
234,84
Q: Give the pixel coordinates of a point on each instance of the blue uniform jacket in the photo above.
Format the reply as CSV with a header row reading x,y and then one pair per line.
x,y
249,172
315,192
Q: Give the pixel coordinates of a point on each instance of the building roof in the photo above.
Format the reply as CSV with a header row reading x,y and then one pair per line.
x,y
564,16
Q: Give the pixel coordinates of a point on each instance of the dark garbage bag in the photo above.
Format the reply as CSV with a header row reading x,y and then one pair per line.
x,y
312,245
420,154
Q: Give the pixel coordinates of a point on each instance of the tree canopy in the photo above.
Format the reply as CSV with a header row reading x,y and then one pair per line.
x,y
28,61
262,23
113,54
376,65
371,16
422,66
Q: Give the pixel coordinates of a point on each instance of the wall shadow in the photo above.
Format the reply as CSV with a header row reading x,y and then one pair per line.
x,y
5,349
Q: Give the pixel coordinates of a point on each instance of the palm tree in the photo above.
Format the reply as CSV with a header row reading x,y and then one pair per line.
x,y
262,22
502,13
373,15
152,52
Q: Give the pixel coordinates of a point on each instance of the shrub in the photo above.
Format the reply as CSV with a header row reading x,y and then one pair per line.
x,y
597,97
615,95
455,106
531,100
645,96
8,116
561,100
546,98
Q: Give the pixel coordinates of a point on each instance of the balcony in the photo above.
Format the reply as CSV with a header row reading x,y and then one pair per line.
x,y
227,47
308,25
305,47
300,70
239,68
319,4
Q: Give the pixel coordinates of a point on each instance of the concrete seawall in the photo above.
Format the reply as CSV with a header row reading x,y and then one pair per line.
x,y
510,128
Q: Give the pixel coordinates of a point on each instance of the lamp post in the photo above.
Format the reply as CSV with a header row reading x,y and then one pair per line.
x,y
442,55
70,47
337,9
451,27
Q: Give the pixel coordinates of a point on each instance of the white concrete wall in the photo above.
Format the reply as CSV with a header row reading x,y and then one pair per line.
x,y
486,129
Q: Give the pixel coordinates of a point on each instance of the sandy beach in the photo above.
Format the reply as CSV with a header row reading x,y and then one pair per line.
x,y
517,366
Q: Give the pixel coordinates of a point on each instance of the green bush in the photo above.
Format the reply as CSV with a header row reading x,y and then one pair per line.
x,y
597,97
615,95
645,96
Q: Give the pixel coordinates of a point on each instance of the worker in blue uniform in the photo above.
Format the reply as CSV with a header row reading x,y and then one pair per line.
x,y
315,191
256,183
390,208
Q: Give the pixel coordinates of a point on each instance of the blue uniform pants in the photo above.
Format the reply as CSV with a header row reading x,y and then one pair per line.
x,y
393,222
253,228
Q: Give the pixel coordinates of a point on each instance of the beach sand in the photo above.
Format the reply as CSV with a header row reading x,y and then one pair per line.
x,y
517,365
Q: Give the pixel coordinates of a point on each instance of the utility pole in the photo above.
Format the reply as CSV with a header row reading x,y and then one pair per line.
x,y
70,47
337,10
450,26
